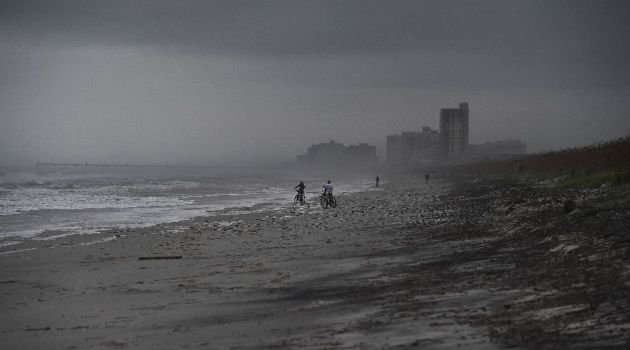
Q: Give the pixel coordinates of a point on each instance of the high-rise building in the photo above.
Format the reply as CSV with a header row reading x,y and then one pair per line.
x,y
412,147
361,154
454,132
335,153
394,149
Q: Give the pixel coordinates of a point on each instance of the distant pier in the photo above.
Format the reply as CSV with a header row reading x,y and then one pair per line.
x,y
108,165
127,165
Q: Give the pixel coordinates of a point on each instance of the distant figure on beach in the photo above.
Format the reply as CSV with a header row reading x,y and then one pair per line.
x,y
299,197
426,178
377,180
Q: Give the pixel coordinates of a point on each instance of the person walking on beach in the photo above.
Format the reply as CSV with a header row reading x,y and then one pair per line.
x,y
299,197
377,180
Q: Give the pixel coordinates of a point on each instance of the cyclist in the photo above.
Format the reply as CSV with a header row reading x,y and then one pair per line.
x,y
300,192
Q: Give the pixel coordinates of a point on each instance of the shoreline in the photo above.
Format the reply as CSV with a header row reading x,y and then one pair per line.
x,y
474,263
26,243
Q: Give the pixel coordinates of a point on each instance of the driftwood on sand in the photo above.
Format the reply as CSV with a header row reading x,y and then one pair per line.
x,y
160,257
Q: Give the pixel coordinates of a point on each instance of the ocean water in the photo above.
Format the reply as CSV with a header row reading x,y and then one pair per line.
x,y
48,202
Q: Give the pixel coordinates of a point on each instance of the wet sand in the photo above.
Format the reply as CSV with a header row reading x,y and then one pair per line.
x,y
472,264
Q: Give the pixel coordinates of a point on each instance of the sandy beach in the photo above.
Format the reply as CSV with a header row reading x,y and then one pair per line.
x,y
474,263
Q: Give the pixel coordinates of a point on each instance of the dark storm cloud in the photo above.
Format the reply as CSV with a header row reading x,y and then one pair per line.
x,y
325,27
586,42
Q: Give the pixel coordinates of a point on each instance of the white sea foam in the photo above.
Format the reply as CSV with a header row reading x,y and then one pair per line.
x,y
16,251
103,240
29,199
8,243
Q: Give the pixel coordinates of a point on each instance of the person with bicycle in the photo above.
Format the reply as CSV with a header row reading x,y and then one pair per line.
x,y
299,197
328,189
328,194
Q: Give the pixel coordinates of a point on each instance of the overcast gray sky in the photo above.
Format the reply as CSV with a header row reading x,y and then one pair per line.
x,y
225,82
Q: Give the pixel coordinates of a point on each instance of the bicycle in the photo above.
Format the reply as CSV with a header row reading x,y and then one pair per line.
x,y
326,200
299,198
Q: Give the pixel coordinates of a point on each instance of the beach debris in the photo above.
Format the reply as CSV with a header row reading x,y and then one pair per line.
x,y
564,248
114,344
569,206
160,257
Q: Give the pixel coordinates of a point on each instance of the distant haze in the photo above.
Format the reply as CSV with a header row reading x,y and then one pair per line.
x,y
241,82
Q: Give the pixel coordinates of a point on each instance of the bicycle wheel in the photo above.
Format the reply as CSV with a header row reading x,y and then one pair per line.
x,y
302,200
323,202
296,199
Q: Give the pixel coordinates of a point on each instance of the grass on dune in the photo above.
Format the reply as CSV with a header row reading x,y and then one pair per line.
x,y
612,178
